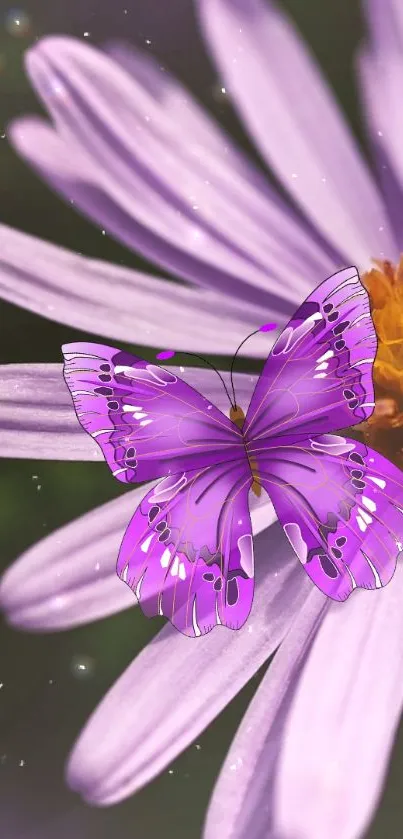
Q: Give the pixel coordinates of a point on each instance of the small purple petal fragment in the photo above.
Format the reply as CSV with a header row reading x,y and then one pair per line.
x,y
165,354
268,327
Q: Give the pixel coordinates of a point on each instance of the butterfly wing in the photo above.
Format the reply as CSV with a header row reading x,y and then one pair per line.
x,y
147,421
318,376
188,552
340,505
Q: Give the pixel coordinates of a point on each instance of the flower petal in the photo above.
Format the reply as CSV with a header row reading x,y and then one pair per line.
x,y
37,418
69,578
381,79
383,119
332,730
190,211
118,302
137,730
241,805
356,671
385,19
303,137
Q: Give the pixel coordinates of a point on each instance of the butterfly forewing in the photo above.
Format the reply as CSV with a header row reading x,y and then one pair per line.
x,y
338,502
148,422
318,376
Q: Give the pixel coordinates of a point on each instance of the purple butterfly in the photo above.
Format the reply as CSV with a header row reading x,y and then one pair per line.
x,y
188,551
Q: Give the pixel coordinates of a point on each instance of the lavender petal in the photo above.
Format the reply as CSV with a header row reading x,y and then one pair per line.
x,y
137,730
303,137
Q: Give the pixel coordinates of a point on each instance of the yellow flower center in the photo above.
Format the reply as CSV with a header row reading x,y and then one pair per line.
x,y
384,429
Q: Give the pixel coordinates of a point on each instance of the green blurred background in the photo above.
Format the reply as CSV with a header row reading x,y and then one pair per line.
x,y
43,703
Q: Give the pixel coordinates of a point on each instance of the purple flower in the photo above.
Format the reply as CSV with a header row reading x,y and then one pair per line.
x,y
131,149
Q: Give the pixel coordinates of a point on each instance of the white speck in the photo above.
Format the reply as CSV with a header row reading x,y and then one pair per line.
x,y
250,629
170,771
39,486
198,746
51,681
148,41
97,567
223,90
209,407
103,232
86,34
294,175
1,685
239,521
380,133
22,763
381,229
323,180
182,571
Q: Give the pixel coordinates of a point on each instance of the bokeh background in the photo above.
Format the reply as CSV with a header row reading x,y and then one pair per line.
x,y
49,684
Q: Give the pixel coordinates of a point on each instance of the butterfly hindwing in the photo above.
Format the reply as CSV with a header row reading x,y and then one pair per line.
x,y
147,421
318,376
339,504
188,553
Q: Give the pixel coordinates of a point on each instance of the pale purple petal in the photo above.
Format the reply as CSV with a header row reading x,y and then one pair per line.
x,y
69,578
37,418
118,302
381,80
138,729
385,18
315,742
355,670
381,119
241,805
297,125
190,210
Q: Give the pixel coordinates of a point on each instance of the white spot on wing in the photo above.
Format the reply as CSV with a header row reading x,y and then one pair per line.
x,y
196,628
326,356
145,546
175,567
166,558
368,503
378,481
293,532
378,583
138,586
361,524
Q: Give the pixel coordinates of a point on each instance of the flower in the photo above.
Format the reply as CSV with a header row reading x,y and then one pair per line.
x,y
130,148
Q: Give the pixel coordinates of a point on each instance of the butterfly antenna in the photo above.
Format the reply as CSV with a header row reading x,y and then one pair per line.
x,y
267,327
170,353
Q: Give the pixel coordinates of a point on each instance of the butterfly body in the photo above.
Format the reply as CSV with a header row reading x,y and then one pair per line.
x,y
237,416
188,551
